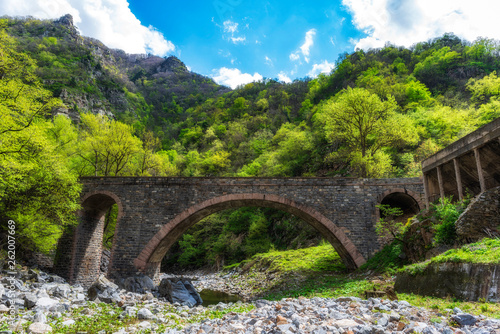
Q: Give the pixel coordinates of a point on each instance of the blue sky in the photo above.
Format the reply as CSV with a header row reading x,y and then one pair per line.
x,y
255,37
236,41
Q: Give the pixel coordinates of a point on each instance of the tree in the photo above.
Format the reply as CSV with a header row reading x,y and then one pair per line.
x,y
389,227
148,163
37,189
365,125
107,146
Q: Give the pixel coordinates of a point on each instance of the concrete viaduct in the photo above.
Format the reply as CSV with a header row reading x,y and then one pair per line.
x,y
469,166
154,212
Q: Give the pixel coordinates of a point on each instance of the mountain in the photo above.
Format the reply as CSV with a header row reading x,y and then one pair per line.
x,y
89,76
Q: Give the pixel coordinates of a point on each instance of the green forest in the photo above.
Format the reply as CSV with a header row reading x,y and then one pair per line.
x,y
71,107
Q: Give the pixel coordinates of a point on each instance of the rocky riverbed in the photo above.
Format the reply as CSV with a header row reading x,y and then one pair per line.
x,y
43,303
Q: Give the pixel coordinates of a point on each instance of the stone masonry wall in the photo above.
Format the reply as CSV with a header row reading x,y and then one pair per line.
x,y
481,218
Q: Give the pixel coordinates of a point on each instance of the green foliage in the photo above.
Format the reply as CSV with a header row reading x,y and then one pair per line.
x,y
234,235
105,317
485,88
110,220
106,146
447,214
366,125
37,189
388,227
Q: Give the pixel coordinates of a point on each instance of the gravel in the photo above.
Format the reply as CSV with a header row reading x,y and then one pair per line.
x,y
43,300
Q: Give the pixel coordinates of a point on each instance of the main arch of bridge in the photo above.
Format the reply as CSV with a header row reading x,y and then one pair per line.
x,y
155,212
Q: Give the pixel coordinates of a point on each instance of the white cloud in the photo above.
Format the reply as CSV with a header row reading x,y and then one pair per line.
x,y
269,61
109,21
233,77
308,42
324,67
230,26
294,56
283,77
304,48
237,40
408,22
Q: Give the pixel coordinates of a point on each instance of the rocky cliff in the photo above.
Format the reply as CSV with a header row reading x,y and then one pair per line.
x,y
90,77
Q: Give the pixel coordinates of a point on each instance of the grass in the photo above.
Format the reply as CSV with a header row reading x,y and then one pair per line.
x,y
446,305
313,259
486,251
387,260
324,286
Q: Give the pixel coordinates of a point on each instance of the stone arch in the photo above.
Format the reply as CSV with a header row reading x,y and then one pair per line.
x,y
150,258
86,248
409,201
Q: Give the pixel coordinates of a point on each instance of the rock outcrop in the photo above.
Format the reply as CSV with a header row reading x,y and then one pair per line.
x,y
465,281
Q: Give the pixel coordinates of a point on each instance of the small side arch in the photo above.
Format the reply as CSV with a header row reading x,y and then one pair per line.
x,y
409,201
150,257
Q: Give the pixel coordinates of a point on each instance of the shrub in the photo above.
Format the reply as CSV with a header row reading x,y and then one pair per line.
x,y
447,214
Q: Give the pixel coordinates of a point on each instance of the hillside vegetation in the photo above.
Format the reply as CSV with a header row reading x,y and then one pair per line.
x,y
72,107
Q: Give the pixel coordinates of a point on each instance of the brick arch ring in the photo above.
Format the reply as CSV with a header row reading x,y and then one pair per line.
x,y
158,246
415,196
110,194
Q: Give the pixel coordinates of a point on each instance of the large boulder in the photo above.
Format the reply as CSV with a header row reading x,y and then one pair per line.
x,y
105,290
138,284
178,291
192,291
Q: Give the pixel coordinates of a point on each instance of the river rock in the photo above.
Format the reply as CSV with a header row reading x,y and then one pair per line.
x,y
4,309
45,303
464,319
145,314
192,291
40,317
39,328
30,300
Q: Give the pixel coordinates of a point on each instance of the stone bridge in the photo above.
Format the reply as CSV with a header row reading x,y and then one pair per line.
x,y
154,212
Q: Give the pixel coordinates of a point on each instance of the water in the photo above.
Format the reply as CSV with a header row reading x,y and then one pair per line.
x,y
211,297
